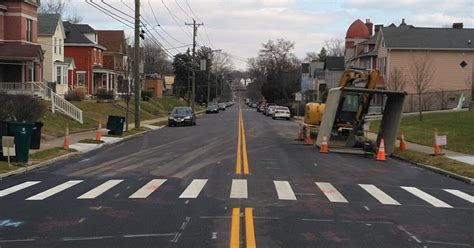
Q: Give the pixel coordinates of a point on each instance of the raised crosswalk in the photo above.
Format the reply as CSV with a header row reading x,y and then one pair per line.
x,y
239,189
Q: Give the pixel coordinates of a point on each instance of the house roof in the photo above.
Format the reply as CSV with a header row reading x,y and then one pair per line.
x,y
17,51
406,37
334,63
372,40
358,30
47,24
113,40
84,28
75,35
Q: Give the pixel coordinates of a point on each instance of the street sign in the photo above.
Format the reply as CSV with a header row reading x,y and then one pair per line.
x,y
203,65
366,126
298,97
441,140
8,147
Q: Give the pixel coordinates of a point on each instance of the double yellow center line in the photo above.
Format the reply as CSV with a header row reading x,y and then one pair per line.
x,y
249,229
242,158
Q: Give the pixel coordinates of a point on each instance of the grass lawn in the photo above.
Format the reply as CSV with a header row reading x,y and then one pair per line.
x,y
5,168
458,126
439,162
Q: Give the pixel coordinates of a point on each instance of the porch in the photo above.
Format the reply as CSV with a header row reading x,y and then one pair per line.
x,y
108,80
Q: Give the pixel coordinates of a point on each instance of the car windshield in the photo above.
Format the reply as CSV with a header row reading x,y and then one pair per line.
x,y
181,111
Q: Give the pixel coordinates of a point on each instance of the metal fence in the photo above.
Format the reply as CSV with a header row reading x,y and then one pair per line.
x,y
438,100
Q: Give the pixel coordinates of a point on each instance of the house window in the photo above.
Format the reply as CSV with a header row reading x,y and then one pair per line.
x,y
29,30
55,45
58,75
81,78
95,56
60,46
65,75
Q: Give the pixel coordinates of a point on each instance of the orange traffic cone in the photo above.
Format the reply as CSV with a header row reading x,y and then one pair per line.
x,y
403,144
437,149
324,146
299,137
98,134
66,140
381,151
307,140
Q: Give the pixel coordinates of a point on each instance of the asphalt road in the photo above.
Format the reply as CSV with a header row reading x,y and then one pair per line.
x,y
185,187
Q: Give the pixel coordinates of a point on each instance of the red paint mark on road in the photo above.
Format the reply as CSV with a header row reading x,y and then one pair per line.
x,y
330,235
152,187
309,236
51,224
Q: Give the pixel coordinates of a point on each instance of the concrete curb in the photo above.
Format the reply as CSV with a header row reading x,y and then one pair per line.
x,y
437,170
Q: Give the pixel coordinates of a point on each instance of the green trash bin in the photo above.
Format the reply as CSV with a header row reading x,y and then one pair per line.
x,y
115,124
22,132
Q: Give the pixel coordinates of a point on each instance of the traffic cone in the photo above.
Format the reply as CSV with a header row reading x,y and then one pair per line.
x,y
66,140
98,135
403,144
299,137
437,149
307,140
324,146
381,151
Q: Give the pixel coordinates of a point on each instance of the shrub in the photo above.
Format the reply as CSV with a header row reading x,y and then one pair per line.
x,y
21,108
75,95
103,94
147,95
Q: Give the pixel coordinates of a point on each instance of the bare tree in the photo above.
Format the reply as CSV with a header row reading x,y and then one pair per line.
x,y
74,17
334,47
156,60
421,76
60,7
397,79
310,56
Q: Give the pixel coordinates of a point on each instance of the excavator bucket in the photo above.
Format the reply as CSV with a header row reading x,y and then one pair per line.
x,y
335,117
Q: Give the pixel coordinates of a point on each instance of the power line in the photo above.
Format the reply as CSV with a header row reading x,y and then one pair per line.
x,y
175,19
186,13
106,13
156,20
205,29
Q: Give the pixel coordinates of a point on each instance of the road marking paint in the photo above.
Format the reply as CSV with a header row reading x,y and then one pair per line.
x,y
52,191
214,235
149,188
193,190
82,220
148,235
318,220
379,194
238,162
427,197
331,193
244,149
16,240
249,229
93,193
284,190
448,243
409,234
367,208
461,194
18,187
86,238
235,229
239,188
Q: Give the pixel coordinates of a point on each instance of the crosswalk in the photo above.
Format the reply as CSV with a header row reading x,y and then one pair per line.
x,y
239,189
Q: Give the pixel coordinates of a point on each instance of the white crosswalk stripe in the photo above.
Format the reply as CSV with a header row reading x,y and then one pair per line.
x,y
284,190
52,191
461,194
239,188
16,188
379,194
331,193
149,188
99,189
427,197
194,188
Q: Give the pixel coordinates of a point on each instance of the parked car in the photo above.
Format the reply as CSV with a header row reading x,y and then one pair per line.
x,y
260,107
271,110
281,112
253,105
212,108
222,106
181,116
267,106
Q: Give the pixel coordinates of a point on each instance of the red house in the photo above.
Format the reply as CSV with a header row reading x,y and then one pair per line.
x,y
114,58
81,45
21,56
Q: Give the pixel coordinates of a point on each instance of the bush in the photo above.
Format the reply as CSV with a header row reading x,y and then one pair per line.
x,y
147,95
21,108
103,94
75,95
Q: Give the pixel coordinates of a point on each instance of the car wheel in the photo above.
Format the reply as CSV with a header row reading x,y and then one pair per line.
x,y
273,117
288,118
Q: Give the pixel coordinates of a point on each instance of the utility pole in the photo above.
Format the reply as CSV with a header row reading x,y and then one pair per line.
x,y
193,91
136,65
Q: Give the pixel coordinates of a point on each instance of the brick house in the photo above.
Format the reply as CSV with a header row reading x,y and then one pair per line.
x,y
21,56
81,44
114,58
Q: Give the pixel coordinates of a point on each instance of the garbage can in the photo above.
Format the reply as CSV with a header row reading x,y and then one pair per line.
x,y
22,132
115,124
36,136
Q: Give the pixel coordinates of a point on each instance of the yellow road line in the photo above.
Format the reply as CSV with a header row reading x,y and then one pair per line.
x,y
238,163
249,229
244,150
235,229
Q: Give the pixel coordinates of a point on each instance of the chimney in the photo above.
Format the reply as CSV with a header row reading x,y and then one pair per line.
x,y
378,27
458,25
403,22
369,26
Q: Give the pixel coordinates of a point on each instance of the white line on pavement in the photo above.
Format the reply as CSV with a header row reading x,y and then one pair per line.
x,y
99,189
149,188
461,194
331,193
284,190
379,194
52,191
427,197
17,188
193,189
239,188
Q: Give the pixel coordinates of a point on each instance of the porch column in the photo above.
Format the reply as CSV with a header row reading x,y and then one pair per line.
x,y
107,81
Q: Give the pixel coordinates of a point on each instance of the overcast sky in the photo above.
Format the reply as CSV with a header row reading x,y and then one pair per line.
x,y
239,27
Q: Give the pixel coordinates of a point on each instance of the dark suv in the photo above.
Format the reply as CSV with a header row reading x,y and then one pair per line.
x,y
181,116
